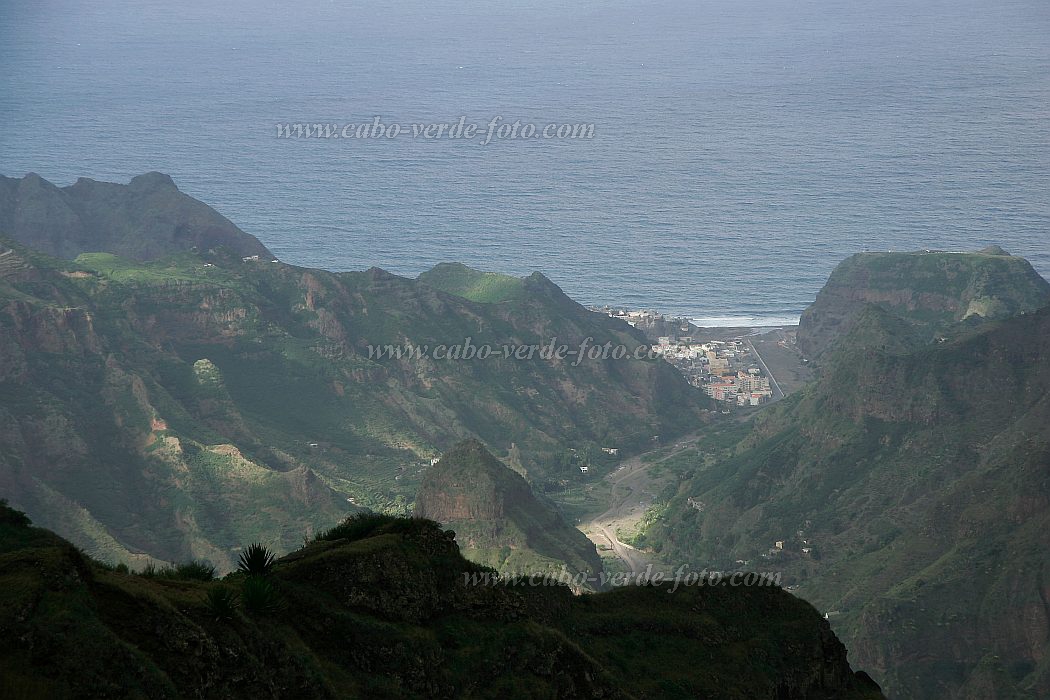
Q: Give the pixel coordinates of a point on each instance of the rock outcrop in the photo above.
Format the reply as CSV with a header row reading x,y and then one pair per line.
x,y
498,520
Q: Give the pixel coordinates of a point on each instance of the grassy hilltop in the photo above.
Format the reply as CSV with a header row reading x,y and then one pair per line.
x,y
488,287
929,291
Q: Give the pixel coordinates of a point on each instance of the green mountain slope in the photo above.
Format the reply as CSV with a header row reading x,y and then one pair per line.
x,y
498,521
389,609
930,291
911,491
177,407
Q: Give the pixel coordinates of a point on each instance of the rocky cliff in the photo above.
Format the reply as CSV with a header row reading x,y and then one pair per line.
x,y
498,520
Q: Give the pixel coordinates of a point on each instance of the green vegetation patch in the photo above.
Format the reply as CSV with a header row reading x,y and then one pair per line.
x,y
485,287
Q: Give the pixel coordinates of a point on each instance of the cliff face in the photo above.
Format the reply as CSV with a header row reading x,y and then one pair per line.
x,y
394,612
498,521
468,483
146,219
929,291
912,491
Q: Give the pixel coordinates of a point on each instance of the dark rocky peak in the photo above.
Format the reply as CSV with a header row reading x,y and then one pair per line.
x,y
143,220
151,181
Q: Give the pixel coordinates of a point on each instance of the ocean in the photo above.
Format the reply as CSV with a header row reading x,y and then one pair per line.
x,y
740,148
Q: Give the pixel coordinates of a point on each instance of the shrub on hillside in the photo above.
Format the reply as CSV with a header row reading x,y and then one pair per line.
x,y
10,516
260,596
362,525
222,602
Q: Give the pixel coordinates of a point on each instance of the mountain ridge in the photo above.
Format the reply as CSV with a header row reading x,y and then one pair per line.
x,y
387,608
146,219
197,381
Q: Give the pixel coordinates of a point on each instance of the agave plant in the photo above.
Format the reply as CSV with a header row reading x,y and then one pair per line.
x,y
222,602
194,571
260,596
256,560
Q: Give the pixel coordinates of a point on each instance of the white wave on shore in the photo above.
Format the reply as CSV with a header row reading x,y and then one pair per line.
x,y
744,321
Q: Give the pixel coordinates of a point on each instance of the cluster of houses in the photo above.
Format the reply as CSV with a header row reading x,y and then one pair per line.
x,y
800,543
642,319
650,322
725,369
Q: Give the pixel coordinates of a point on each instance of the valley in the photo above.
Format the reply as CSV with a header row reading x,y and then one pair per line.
x,y
630,490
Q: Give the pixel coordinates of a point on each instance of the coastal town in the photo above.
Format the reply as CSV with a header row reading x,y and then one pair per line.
x,y
728,369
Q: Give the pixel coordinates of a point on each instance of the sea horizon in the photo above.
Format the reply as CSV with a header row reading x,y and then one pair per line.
x,y
740,150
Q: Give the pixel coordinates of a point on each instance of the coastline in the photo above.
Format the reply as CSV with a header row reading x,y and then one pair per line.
x,y
656,324
773,347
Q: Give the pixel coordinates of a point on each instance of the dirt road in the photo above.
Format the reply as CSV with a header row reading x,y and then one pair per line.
x,y
631,493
